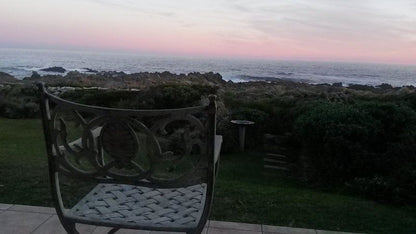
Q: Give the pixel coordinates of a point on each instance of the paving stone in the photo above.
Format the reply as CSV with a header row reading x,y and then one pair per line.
x,y
84,228
286,230
100,230
233,231
33,209
53,225
20,222
332,232
204,231
130,231
155,232
5,206
235,226
43,220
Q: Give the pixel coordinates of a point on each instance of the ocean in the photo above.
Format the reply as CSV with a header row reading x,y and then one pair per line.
x,y
22,62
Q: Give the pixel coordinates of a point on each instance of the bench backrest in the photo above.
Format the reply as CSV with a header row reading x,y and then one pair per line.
x,y
159,148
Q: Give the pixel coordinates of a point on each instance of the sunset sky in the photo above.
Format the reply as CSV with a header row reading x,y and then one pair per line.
x,y
353,30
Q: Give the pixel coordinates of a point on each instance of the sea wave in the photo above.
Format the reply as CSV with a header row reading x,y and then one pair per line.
x,y
347,75
285,77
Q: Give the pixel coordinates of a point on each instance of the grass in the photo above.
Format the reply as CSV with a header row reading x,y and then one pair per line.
x,y
242,193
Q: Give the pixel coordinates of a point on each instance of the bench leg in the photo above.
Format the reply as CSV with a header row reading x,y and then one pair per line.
x,y
70,228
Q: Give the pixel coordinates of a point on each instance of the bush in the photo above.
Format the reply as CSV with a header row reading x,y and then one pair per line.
x,y
177,96
111,98
334,137
165,96
368,145
19,101
19,110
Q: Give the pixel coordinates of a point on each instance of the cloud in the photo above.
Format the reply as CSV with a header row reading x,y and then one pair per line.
x,y
304,25
350,21
135,6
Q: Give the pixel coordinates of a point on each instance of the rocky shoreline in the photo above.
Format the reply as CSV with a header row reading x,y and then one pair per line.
x,y
246,90
119,79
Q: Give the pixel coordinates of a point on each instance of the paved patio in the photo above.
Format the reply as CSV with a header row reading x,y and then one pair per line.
x,y
19,219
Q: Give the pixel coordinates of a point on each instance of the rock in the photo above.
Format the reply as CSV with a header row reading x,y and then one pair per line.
x,y
338,84
90,70
35,75
73,74
216,78
361,87
323,84
385,86
54,69
411,87
111,74
7,78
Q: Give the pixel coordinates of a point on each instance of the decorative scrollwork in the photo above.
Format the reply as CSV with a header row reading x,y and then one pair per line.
x,y
108,145
119,141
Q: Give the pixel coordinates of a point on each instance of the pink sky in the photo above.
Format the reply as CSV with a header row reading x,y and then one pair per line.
x,y
355,30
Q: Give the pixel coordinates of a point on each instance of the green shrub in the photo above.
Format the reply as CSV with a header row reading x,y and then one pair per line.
x,y
334,137
165,96
108,98
251,114
368,145
20,110
19,101
175,96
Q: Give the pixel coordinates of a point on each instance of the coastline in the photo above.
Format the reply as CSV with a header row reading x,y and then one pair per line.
x,y
58,76
22,63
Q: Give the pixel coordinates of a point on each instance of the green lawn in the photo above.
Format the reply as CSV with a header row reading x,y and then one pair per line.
x,y
242,192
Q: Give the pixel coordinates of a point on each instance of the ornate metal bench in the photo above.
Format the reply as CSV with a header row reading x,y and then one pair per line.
x,y
152,169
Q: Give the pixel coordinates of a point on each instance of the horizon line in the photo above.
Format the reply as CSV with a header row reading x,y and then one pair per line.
x,y
205,56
